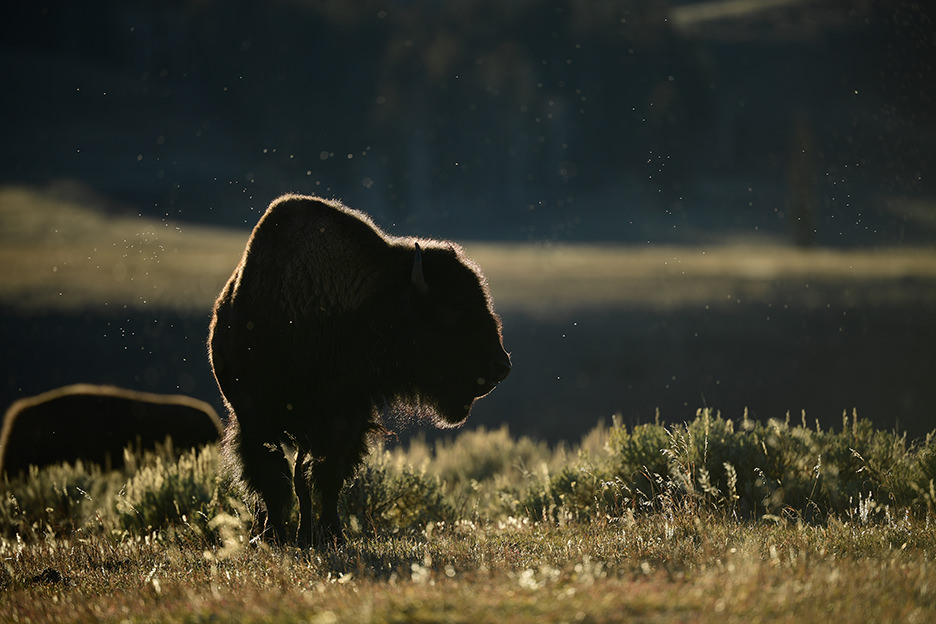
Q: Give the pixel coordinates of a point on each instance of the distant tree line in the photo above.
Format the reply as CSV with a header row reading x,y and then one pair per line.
x,y
505,108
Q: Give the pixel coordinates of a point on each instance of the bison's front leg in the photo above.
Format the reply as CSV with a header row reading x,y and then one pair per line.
x,y
304,495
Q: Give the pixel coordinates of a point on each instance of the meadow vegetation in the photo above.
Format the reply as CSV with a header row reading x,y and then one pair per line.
x,y
707,520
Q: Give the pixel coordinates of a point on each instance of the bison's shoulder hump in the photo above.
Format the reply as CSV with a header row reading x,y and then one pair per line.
x,y
311,254
324,219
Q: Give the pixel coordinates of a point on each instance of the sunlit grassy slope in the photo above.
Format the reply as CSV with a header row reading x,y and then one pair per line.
x,y
63,253
707,521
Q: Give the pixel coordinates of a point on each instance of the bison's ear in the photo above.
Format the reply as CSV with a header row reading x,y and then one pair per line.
x,y
417,278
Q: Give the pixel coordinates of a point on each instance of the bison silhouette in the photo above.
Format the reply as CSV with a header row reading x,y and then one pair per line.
x,y
95,423
326,323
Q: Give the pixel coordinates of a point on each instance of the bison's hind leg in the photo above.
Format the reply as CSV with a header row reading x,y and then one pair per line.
x,y
317,477
328,476
263,469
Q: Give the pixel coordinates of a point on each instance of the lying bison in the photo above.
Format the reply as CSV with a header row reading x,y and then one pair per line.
x,y
325,323
95,424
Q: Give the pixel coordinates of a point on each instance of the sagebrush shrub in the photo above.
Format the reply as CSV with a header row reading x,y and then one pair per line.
x,y
58,499
384,499
709,465
165,492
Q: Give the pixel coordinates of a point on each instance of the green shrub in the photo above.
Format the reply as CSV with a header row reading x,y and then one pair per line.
x,y
748,470
483,472
163,492
56,499
584,492
638,456
482,455
707,466
383,498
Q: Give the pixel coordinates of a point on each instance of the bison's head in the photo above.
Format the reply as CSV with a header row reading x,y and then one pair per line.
x,y
455,334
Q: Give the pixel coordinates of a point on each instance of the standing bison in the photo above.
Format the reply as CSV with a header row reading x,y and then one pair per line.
x,y
326,322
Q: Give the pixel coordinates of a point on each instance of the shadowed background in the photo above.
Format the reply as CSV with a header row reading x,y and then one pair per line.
x,y
723,203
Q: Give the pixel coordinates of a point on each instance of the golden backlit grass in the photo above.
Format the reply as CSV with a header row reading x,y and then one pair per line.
x,y
60,251
719,572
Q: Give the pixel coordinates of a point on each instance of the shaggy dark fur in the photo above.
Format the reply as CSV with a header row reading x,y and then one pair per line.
x,y
326,322
95,424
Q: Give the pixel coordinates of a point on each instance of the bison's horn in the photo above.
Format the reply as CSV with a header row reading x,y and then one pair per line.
x,y
417,278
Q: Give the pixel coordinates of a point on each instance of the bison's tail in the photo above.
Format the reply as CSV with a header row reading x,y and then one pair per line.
x,y
230,468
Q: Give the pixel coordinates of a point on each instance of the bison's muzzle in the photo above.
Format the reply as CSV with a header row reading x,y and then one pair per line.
x,y
499,369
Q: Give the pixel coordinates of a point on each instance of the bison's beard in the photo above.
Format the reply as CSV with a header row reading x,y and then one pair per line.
x,y
452,413
452,410
444,413
445,409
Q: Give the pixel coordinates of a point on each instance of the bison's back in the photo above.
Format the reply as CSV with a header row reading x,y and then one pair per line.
x,y
95,423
